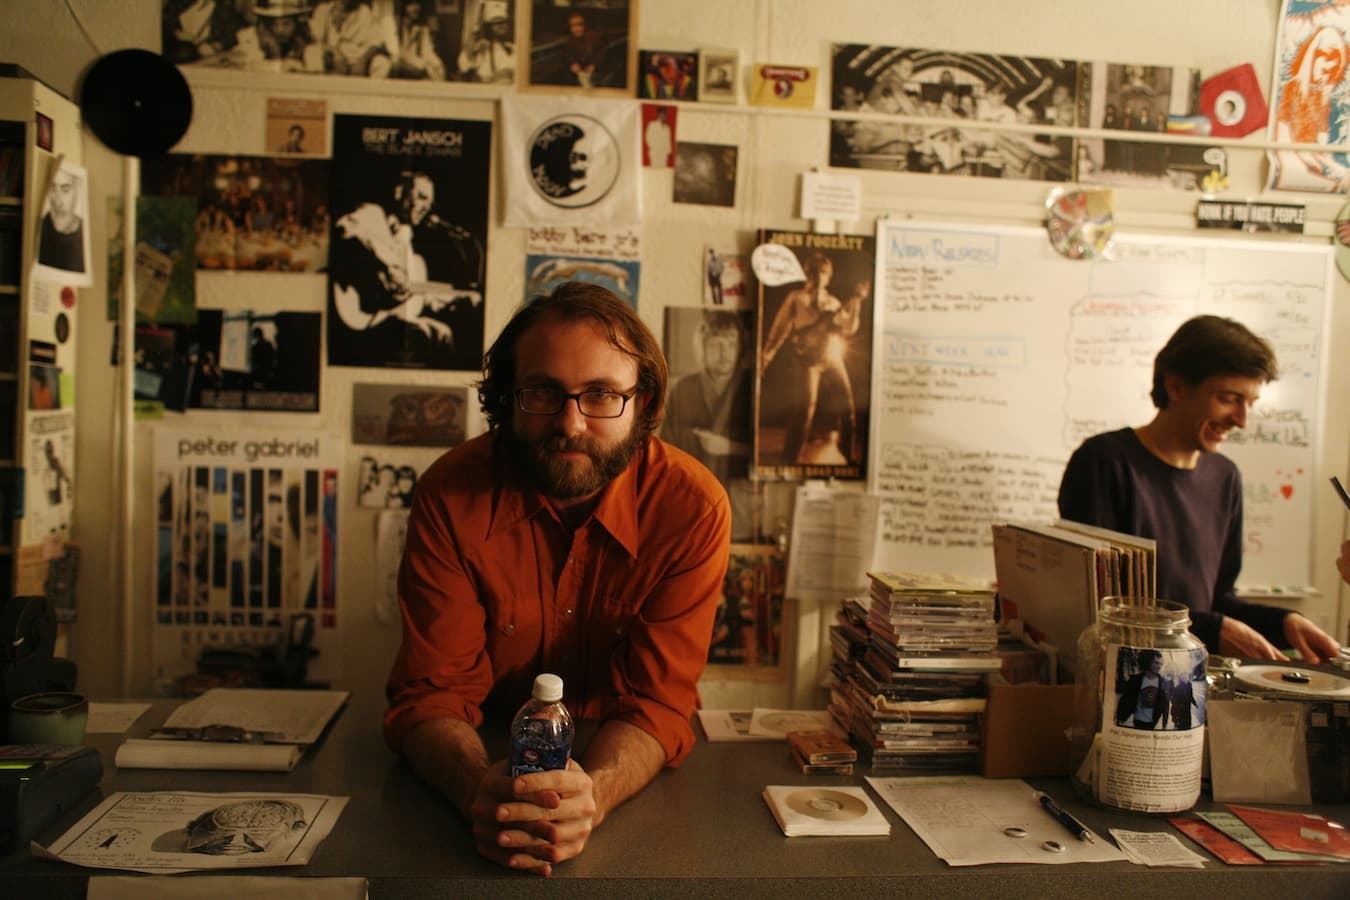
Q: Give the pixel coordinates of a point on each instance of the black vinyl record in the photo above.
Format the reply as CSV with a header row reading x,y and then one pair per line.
x,y
136,102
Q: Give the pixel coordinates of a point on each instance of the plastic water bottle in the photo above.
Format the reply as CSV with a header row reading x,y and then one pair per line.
x,y
541,732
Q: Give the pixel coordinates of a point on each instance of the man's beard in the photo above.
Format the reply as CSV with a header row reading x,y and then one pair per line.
x,y
569,479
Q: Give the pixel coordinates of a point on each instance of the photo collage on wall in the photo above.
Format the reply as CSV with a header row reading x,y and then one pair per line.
x,y
409,240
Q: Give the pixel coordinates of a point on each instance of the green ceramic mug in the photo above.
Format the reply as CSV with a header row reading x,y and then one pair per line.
x,y
56,717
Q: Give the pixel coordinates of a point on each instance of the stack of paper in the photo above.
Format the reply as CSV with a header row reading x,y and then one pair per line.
x,y
1272,836
236,729
805,811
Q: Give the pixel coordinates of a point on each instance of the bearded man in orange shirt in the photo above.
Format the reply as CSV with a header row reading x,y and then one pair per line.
x,y
568,539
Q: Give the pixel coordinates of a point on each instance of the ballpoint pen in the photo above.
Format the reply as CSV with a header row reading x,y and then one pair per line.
x,y
1078,829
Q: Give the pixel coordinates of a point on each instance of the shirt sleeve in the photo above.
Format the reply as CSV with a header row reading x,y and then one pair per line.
x,y
442,669
657,669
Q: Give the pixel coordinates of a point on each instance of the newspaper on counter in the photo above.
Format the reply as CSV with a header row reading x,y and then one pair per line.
x,y
163,832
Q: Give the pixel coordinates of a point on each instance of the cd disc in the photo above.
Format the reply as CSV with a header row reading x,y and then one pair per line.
x,y
821,804
136,102
1308,683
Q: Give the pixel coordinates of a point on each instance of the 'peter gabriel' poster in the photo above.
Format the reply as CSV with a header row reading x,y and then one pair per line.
x,y
405,280
814,357
246,538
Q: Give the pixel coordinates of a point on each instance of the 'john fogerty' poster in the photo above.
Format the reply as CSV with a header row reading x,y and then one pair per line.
x,y
405,280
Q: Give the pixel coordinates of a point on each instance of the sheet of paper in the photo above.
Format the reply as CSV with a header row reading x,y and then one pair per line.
x,y
299,716
969,821
833,533
181,831
1156,848
223,887
113,718
1240,831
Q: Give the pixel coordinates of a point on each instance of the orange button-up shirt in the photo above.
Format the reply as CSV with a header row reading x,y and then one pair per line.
x,y
494,589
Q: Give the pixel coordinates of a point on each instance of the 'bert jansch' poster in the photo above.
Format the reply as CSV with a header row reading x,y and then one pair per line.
x,y
405,279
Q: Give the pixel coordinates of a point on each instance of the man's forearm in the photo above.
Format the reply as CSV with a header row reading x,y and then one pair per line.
x,y
449,755
621,759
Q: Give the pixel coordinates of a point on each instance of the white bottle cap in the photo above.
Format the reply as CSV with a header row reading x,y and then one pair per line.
x,y
548,688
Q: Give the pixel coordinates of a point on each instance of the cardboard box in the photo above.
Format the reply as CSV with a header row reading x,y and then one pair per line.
x,y
1024,730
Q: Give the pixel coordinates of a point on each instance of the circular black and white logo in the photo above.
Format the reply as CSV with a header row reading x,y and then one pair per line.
x,y
574,161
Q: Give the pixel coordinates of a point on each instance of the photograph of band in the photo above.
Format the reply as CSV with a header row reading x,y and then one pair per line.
x,y
814,360
256,213
409,237
968,88
427,40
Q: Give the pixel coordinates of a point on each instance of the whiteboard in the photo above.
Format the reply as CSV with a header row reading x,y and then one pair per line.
x,y
994,357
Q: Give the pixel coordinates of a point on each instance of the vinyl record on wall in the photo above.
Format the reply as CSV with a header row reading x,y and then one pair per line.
x,y
136,102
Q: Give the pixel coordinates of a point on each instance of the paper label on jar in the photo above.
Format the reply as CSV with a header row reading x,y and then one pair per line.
x,y
1153,728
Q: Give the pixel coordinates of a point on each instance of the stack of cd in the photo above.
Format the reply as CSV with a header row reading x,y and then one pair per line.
x,y
907,677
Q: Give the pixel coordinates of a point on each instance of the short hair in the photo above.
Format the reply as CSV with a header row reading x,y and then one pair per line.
x,y
720,321
1206,346
574,301
1146,658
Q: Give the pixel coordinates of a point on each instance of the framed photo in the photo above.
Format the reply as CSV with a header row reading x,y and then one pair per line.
x,y
750,639
667,75
588,45
718,74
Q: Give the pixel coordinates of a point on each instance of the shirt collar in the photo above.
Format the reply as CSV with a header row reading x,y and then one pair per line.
x,y
516,501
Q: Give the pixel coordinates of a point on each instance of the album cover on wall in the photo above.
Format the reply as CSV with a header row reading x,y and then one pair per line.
x,y
814,359
409,239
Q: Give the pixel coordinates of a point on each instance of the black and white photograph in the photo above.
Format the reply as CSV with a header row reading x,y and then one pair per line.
x,y
814,360
406,39
586,45
488,51
63,234
254,213
409,415
718,74
409,238
385,485
705,174
968,88
710,406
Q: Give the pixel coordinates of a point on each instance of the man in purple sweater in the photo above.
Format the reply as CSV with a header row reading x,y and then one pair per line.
x,y
1166,480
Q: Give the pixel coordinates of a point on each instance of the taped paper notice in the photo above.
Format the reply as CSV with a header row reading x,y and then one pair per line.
x,y
826,195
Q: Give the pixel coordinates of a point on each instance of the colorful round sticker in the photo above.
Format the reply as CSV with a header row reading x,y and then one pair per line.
x,y
1080,223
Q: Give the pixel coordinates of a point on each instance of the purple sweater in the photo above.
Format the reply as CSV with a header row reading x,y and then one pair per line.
x,y
1195,515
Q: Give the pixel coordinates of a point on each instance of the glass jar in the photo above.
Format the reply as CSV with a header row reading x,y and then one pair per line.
x,y
1138,735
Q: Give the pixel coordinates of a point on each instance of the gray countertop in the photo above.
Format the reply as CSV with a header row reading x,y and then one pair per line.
x,y
700,830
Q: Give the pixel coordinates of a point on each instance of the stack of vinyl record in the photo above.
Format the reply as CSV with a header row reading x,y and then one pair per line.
x,y
907,675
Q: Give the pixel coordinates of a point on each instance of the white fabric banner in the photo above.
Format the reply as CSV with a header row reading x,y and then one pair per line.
x,y
571,161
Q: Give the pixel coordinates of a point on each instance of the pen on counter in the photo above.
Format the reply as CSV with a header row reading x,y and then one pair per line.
x,y
1340,489
1077,828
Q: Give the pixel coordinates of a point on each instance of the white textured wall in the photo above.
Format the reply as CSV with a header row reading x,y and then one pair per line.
x,y
46,37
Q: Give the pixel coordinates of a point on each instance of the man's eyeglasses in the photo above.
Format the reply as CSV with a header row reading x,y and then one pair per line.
x,y
596,404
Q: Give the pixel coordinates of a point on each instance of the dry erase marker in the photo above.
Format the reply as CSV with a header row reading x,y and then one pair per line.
x,y
1340,489
1062,816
